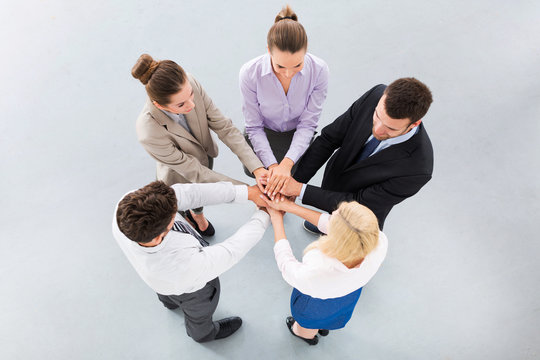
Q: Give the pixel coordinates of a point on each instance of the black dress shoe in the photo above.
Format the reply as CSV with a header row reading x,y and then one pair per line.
x,y
210,231
310,228
324,332
171,307
290,323
228,326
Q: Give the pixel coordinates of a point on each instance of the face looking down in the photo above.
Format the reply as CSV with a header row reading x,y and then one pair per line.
x,y
285,64
384,127
181,102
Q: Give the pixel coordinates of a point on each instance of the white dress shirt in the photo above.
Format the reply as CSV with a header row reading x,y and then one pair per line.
x,y
324,277
180,264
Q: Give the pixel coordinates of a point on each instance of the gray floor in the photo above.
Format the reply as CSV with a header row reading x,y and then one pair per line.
x,y
461,279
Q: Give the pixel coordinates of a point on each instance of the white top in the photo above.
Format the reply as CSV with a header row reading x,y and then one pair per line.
x,y
180,264
324,277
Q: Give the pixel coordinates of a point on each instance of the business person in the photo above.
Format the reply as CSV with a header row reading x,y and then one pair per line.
x,y
380,152
283,92
328,281
174,260
174,128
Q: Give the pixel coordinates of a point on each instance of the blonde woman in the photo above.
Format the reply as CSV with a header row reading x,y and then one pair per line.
x,y
329,280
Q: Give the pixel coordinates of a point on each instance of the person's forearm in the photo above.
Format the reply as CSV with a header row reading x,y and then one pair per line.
x,y
307,214
279,228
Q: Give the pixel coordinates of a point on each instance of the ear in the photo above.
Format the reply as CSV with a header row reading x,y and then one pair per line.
x,y
415,124
157,105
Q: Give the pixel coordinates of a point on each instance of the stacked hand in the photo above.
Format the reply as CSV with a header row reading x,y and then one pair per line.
x,y
280,203
278,180
254,194
278,176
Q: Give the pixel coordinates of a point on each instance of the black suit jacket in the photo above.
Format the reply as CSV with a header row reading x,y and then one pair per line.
x,y
379,181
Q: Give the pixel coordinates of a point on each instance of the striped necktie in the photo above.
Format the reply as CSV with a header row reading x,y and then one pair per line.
x,y
183,227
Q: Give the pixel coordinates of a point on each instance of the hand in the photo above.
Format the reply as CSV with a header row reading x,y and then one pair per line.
x,y
275,214
278,176
291,188
261,173
280,202
254,194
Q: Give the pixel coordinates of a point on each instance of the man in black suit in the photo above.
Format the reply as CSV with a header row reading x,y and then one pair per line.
x,y
383,155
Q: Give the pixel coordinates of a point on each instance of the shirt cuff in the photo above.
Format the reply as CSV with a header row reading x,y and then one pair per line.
x,y
262,216
301,196
293,154
324,221
282,243
241,194
269,160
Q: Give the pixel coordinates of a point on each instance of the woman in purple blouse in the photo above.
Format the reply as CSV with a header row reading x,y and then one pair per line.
x,y
283,93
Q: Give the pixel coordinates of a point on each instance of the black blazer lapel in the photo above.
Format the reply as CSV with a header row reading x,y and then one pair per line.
x,y
394,152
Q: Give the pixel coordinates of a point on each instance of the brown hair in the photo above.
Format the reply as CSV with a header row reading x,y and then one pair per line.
x,y
144,214
287,34
161,78
407,98
353,232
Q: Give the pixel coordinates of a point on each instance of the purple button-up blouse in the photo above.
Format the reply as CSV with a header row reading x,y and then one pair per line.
x,y
265,104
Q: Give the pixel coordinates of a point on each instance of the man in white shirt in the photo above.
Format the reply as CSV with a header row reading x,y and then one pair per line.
x,y
174,260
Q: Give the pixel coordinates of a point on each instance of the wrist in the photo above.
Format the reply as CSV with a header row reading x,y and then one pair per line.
x,y
296,188
276,217
288,163
272,166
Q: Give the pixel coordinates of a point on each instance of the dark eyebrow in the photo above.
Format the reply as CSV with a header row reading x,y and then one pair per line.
x,y
182,103
378,117
283,67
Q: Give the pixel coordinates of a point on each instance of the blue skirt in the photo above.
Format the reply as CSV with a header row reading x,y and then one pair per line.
x,y
315,313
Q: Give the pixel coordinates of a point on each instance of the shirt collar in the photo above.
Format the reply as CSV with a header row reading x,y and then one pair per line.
x,y
266,66
401,138
395,140
172,116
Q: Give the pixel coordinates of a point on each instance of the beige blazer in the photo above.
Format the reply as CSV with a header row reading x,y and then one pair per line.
x,y
182,157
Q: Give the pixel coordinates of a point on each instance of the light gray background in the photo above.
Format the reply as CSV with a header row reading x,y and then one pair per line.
x,y
461,277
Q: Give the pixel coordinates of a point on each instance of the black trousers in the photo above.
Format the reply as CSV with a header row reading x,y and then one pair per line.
x,y
198,308
280,142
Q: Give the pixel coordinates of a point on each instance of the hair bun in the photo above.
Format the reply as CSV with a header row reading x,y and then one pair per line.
x,y
286,13
144,68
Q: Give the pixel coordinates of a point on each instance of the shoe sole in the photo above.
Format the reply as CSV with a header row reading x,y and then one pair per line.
x,y
310,231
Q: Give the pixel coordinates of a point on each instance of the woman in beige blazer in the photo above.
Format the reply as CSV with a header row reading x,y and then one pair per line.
x,y
174,128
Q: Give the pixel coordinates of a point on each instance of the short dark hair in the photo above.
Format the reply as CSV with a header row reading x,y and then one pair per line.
x,y
144,214
407,98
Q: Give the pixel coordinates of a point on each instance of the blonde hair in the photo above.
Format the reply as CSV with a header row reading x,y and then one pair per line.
x,y
287,34
353,233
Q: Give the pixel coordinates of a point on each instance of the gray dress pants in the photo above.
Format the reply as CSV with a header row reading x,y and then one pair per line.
x,y
198,308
